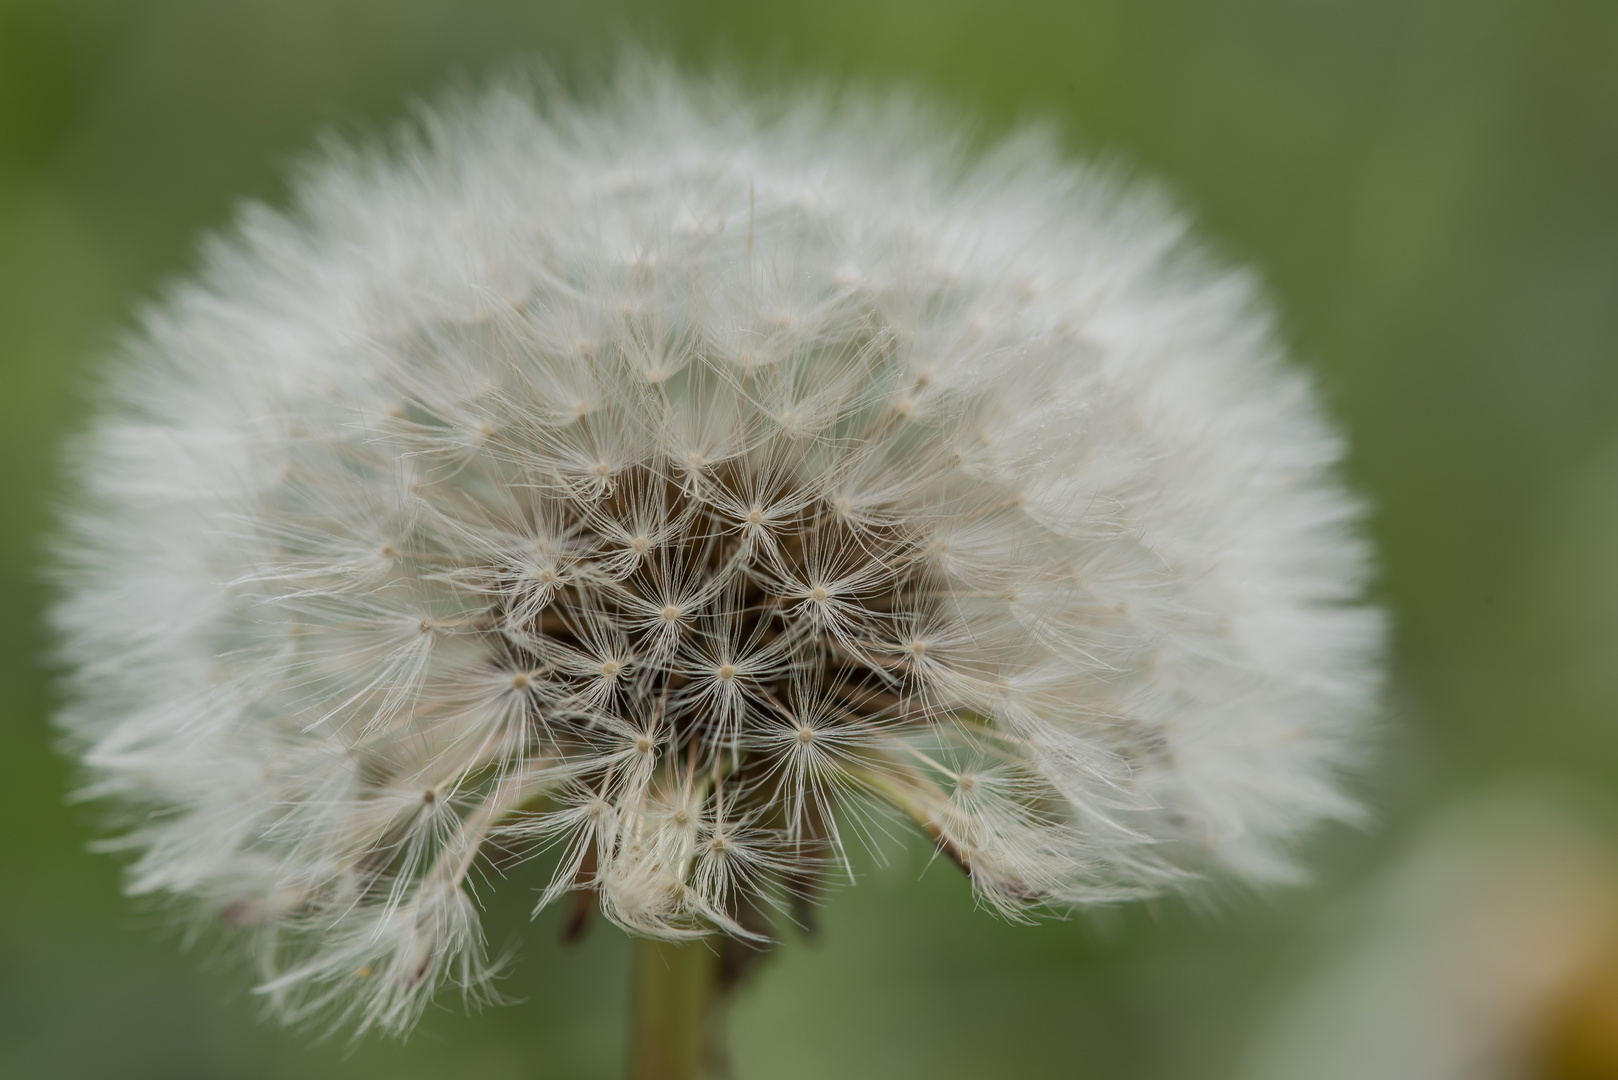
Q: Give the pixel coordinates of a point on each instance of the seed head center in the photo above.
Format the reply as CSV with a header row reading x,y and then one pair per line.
x,y
671,614
610,669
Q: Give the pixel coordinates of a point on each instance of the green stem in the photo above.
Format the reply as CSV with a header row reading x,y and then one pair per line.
x,y
674,994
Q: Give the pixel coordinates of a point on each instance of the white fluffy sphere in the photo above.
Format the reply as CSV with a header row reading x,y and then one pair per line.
x,y
674,484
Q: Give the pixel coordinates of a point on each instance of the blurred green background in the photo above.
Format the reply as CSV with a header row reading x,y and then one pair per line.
x,y
1431,190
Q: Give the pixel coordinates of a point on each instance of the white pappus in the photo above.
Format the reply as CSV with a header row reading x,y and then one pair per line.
x,y
684,487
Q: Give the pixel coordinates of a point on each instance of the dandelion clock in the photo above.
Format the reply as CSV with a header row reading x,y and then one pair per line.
x,y
683,491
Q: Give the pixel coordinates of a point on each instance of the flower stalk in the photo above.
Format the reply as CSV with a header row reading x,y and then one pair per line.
x,y
673,1036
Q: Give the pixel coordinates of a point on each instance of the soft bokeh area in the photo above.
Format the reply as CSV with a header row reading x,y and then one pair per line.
x,y
1430,190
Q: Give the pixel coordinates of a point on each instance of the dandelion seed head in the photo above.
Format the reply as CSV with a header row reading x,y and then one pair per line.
x,y
711,549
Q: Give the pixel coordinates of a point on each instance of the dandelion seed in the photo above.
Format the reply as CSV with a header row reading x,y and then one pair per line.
x,y
711,549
